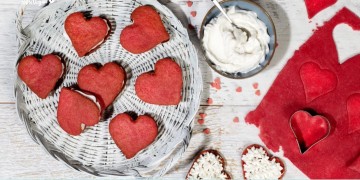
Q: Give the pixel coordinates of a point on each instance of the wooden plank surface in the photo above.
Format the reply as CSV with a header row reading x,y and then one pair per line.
x,y
22,158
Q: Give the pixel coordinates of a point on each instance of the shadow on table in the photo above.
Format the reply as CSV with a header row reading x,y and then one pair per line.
x,y
282,26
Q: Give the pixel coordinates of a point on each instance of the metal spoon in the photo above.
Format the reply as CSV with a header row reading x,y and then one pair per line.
x,y
228,18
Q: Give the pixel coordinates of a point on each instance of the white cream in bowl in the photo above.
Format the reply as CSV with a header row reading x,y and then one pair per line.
x,y
228,48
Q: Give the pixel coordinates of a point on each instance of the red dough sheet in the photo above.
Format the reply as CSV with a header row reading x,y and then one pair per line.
x,y
315,81
315,6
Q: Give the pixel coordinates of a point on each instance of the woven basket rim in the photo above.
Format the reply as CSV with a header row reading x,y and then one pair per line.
x,y
38,136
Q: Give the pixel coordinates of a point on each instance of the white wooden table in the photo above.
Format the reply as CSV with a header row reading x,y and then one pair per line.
x,y
224,121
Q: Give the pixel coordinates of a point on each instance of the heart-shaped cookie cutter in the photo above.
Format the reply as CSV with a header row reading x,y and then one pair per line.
x,y
303,150
277,160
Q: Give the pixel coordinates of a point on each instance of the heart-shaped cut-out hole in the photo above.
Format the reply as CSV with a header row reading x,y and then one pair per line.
x,y
42,75
132,136
353,110
105,82
317,82
86,34
315,6
309,130
76,110
258,164
162,87
209,164
345,48
145,33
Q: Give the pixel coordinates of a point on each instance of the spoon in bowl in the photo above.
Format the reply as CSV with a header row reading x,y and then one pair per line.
x,y
247,32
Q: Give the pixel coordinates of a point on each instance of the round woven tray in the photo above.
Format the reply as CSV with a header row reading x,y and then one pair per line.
x,y
94,151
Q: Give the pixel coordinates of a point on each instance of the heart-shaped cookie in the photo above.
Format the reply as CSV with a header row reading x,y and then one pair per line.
x,y
105,82
308,129
40,75
317,82
258,164
315,6
145,33
76,110
132,136
209,164
86,34
162,87
353,111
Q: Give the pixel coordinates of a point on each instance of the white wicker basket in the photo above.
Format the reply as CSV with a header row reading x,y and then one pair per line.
x,y
94,151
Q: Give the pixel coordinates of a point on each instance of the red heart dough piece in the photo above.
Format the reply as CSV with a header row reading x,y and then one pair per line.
x,y
162,87
315,6
201,157
86,34
317,82
106,83
353,109
76,110
145,33
309,130
132,136
42,75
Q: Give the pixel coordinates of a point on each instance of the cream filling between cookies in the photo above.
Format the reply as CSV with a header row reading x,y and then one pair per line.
x,y
93,99
62,66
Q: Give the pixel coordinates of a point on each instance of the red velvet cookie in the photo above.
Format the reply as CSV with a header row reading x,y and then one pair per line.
x,y
86,34
209,164
40,75
257,163
75,110
145,33
105,82
132,136
163,86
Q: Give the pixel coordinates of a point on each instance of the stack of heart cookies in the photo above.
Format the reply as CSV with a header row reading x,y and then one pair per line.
x,y
99,85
